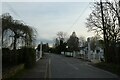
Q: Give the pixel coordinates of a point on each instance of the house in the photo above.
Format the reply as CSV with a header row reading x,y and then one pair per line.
x,y
93,51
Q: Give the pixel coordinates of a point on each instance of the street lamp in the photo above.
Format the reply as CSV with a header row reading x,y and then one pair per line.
x,y
66,47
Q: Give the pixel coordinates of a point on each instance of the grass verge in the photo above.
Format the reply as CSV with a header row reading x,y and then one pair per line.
x,y
113,68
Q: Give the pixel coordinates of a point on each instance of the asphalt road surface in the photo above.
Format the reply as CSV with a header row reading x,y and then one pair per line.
x,y
69,67
0,63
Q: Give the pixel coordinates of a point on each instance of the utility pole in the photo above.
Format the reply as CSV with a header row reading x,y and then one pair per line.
x,y
119,13
104,30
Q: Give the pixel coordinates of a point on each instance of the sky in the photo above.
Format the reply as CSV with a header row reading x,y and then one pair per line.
x,y
48,18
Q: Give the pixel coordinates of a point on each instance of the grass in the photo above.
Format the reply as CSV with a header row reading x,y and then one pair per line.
x,y
113,68
19,73
15,77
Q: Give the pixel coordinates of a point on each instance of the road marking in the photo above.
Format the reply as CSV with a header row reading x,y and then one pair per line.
x,y
71,65
49,68
46,71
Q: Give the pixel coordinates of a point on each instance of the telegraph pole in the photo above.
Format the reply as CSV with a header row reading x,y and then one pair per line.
x,y
104,30
119,13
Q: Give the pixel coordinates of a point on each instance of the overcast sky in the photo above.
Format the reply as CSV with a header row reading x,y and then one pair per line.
x,y
48,18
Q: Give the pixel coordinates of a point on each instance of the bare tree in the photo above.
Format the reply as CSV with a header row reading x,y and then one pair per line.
x,y
62,35
82,41
110,19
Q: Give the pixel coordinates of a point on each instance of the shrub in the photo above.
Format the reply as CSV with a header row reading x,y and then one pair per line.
x,y
25,55
9,57
29,56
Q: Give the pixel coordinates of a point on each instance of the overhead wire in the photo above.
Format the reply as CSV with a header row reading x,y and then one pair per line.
x,y
78,18
15,12
12,10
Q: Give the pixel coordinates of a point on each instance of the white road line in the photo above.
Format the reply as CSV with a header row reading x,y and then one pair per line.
x,y
74,66
46,71
71,65
49,68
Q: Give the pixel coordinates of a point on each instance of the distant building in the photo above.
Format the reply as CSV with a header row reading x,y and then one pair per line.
x,y
93,51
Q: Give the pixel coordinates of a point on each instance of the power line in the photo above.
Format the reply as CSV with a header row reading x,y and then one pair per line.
x,y
12,10
78,17
15,13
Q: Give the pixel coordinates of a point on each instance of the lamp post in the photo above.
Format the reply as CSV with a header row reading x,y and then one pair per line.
x,y
41,50
66,48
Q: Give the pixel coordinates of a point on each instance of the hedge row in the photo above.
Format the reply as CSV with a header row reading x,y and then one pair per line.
x,y
14,57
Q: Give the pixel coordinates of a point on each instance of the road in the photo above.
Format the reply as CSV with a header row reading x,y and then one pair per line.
x,y
69,67
0,64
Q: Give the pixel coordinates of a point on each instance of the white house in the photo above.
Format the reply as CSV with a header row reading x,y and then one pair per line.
x,y
96,55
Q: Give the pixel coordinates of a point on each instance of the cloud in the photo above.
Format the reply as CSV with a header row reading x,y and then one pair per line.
x,y
48,18
49,0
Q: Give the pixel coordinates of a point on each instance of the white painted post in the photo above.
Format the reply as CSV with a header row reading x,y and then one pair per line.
x,y
37,55
41,50
94,55
73,53
89,51
99,54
